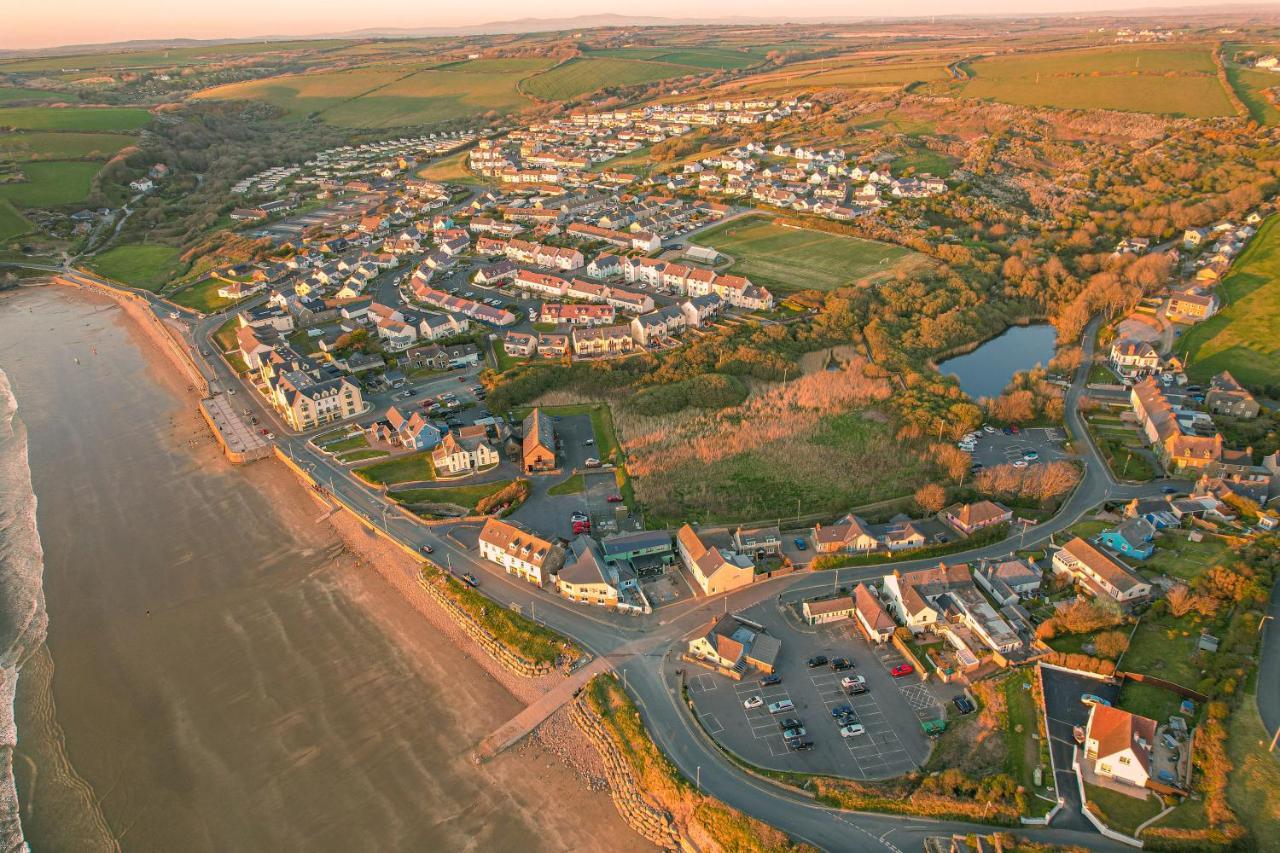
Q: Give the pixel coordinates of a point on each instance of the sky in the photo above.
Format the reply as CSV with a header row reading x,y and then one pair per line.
x,y
64,22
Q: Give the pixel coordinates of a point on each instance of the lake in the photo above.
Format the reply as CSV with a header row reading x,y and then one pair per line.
x,y
986,371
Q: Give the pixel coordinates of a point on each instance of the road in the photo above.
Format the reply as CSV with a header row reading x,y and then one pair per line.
x,y
1269,667
644,648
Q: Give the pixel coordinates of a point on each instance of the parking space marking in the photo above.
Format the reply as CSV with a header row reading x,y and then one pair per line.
x,y
712,724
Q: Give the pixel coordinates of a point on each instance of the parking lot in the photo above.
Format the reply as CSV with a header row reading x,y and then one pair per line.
x,y
999,449
891,710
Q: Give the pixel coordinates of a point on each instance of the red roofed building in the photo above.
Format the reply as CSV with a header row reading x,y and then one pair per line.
x,y
1119,744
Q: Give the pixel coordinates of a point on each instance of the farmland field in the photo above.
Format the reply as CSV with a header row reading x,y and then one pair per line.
x,y
42,145
303,94
150,267
829,74
581,76
72,118
1171,80
51,183
789,259
12,223
15,93
1250,84
163,58
1244,337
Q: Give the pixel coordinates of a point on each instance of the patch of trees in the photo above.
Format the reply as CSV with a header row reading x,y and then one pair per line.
x,y
709,391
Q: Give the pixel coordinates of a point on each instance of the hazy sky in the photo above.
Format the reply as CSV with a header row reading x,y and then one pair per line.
x,y
29,24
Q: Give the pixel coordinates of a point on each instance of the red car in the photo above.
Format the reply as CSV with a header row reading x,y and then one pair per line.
x,y
614,499
901,670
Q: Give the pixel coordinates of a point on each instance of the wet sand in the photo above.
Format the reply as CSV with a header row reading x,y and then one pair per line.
x,y
220,672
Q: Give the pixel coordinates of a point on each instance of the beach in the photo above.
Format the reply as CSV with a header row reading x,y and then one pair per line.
x,y
224,669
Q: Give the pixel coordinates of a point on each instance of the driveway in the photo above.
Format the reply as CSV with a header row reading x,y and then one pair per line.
x,y
1062,691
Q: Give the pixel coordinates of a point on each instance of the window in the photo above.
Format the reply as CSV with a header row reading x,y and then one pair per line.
x,y
1124,759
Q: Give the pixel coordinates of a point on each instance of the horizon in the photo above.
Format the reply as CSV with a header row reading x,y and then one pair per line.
x,y
84,24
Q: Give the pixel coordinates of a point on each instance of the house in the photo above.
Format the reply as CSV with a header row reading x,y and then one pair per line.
x,y
434,327
520,344
1162,425
586,578
307,402
254,343
714,570
826,610
1098,573
849,535
645,552
1226,396
1192,306
902,536
538,451
910,595
1134,358
142,185
1008,581
1131,538
970,518
1119,744
602,340
455,455
870,616
758,542
519,552
729,644
414,431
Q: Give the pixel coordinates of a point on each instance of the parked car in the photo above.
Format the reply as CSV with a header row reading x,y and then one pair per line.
x,y
782,707
470,580
988,428
840,710
1030,454
963,704
589,442
816,661
800,544
901,670
1091,699
851,681
614,499
841,664
770,680
1007,430
797,732
852,730
789,723
427,549
1013,428
1019,463
808,744
1169,490
591,462
753,702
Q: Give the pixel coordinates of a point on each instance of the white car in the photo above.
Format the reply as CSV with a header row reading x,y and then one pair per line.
x,y
988,428
753,702
853,730
849,682
1020,463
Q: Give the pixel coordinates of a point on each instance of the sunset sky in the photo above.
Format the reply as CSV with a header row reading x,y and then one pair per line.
x,y
61,22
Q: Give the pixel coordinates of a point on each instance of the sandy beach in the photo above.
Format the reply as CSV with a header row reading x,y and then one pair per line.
x,y
224,670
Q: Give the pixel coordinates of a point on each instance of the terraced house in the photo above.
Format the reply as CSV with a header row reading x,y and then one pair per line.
x,y
602,340
519,552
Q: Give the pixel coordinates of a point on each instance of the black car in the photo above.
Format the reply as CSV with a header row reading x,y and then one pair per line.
x,y
770,680
427,549
790,723
796,743
963,704
846,720
841,664
816,661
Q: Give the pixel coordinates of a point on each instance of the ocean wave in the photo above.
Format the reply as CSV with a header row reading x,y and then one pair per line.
x,y
23,621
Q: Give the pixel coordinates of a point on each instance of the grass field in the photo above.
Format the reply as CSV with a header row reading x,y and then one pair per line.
x,y
1120,811
51,183
303,94
168,57
12,223
1162,647
17,93
203,296
789,259
148,266
697,57
575,485
402,469
1253,789
1244,337
463,496
1178,80
49,145
68,118
581,76
451,170
1179,557
1249,85
853,75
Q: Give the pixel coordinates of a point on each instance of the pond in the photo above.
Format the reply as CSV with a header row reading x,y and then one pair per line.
x,y
986,371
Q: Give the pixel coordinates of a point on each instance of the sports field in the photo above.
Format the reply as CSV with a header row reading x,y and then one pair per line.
x,y
51,183
12,223
1177,80
581,76
148,266
73,118
52,145
790,259
1244,337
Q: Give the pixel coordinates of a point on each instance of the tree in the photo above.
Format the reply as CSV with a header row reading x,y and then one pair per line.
x,y
1111,644
931,497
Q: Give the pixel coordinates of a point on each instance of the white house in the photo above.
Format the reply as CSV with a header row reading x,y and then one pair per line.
x,y
1119,744
519,552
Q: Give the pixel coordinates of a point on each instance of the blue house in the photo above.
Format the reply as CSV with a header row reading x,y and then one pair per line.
x,y
1133,538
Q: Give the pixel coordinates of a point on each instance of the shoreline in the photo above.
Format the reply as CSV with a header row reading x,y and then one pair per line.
x,y
393,576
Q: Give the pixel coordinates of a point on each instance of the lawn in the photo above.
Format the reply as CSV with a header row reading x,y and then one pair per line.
x,y
402,469
1120,811
463,496
51,183
1253,788
144,265
12,223
451,170
53,145
581,76
789,259
361,455
924,160
1177,80
1162,647
226,335
203,296
74,118
575,485
344,445
1244,337
1179,557
1024,752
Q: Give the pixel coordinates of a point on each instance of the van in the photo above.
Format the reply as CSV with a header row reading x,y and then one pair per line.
x,y
782,707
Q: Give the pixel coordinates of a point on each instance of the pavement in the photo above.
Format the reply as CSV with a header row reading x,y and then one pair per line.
x,y
1062,691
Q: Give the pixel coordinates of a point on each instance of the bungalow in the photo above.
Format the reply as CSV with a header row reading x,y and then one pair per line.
x,y
1098,573
849,535
902,536
519,552
1132,538
870,616
713,570
970,518
1008,581
826,610
1119,744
